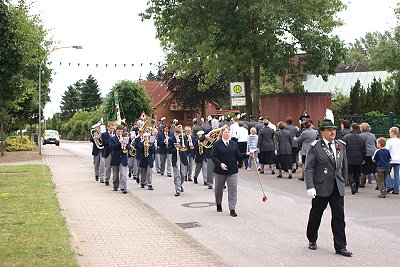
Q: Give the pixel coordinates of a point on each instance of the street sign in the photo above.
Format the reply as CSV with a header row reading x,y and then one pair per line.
x,y
237,89
238,101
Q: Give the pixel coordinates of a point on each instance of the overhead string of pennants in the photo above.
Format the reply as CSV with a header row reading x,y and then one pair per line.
x,y
82,109
97,65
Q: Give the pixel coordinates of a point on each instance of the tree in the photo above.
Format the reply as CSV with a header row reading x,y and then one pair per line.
x,y
151,77
355,98
90,96
71,101
234,39
132,100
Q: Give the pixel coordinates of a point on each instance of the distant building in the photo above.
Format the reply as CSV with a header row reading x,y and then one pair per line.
x,y
164,105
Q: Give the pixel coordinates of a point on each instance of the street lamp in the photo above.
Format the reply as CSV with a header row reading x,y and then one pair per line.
x,y
40,94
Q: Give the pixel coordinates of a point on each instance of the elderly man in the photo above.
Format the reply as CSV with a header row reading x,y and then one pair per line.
x,y
326,174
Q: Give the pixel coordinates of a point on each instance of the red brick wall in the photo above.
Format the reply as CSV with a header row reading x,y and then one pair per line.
x,y
279,106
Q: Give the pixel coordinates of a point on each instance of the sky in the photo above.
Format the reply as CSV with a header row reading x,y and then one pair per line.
x,y
111,32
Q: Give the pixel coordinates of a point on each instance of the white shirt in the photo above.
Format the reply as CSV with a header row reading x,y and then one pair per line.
x,y
234,130
393,145
272,126
243,134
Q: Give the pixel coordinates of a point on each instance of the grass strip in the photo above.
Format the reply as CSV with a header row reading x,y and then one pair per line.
x,y
32,230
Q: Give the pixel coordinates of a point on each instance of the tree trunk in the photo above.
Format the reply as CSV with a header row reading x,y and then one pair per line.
x,y
256,92
203,109
249,104
20,124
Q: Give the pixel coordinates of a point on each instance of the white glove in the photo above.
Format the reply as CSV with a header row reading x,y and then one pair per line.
x,y
311,193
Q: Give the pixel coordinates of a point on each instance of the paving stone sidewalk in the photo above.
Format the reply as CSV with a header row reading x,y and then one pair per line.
x,y
112,229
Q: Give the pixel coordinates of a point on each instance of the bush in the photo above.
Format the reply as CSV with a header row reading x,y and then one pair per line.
x,y
20,144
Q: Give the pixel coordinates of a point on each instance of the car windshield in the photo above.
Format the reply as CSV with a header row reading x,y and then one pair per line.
x,y
51,134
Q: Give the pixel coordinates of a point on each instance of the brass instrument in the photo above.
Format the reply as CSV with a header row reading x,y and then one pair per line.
x,y
96,135
191,146
146,145
183,148
214,134
201,150
166,139
132,150
123,147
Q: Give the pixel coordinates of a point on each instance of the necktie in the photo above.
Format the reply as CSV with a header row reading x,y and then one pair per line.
x,y
333,154
227,144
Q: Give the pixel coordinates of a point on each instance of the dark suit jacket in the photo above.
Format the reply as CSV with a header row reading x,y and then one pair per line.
x,y
146,161
139,155
320,171
266,139
95,150
172,149
105,137
197,157
228,155
117,157
356,148
162,147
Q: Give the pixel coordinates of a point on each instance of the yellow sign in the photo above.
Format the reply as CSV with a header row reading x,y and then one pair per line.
x,y
237,89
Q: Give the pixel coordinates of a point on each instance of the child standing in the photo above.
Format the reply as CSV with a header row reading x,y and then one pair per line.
x,y
252,141
382,158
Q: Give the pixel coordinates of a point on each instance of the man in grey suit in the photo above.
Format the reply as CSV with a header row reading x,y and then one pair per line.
x,y
326,174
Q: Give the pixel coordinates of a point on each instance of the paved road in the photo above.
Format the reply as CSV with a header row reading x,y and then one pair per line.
x,y
272,233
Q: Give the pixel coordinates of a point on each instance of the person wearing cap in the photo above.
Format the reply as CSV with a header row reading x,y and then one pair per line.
x,y
196,127
162,124
119,159
199,159
189,139
179,159
205,126
147,149
139,155
162,141
326,175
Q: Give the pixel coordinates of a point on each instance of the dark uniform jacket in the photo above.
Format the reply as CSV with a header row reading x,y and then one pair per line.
x,y
227,155
322,171
105,137
266,139
355,148
172,150
117,157
146,161
95,150
162,147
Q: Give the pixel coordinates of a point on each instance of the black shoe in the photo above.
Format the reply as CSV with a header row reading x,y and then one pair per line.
x,y
107,183
389,190
279,176
233,213
353,188
102,181
142,186
294,171
169,175
177,194
190,179
301,179
344,252
312,245
186,179
182,189
261,172
205,183
137,180
396,193
124,191
290,176
273,172
224,186
115,188
150,187
195,181
129,175
158,172
96,178
210,187
162,174
219,208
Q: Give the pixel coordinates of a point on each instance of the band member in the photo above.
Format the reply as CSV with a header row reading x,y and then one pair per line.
x,y
190,153
162,124
176,146
326,175
210,163
139,155
96,153
119,159
147,150
131,158
225,155
162,142
200,159
106,154
157,153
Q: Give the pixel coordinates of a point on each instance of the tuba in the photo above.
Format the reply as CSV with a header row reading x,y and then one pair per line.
x,y
214,136
96,135
132,150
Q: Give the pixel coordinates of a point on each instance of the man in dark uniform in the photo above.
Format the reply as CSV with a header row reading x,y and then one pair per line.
x,y
326,174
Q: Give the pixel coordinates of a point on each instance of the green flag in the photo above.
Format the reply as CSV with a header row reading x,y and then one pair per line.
x,y
112,112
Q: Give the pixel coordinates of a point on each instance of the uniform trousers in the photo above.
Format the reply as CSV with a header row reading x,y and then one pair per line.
x,y
202,166
157,162
96,163
354,174
190,167
169,164
119,176
210,172
163,161
131,163
231,182
318,206
146,175
105,169
136,169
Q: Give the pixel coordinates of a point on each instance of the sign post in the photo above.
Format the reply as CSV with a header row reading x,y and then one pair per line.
x,y
238,94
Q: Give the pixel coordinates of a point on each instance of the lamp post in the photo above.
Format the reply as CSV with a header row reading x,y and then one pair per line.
x,y
40,94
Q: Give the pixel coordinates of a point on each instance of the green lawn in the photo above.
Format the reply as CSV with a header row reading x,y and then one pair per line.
x,y
32,230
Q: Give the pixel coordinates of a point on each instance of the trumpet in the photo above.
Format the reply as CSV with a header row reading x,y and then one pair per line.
x,y
166,140
191,146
